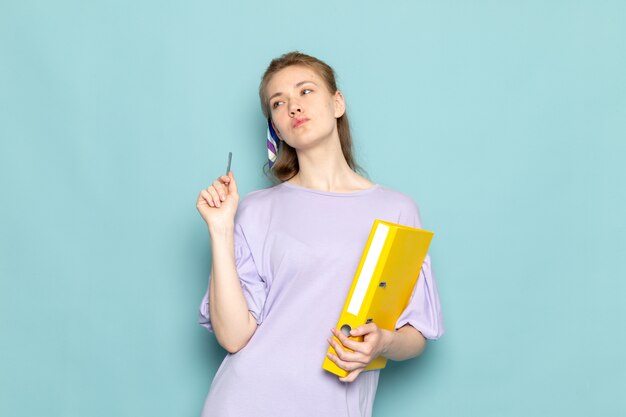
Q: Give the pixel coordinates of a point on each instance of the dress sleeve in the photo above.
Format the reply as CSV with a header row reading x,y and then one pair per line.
x,y
253,286
424,310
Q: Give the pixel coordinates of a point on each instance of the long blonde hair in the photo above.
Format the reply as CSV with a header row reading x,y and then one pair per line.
x,y
286,164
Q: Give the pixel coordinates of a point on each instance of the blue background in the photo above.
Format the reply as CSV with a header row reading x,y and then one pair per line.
x,y
505,121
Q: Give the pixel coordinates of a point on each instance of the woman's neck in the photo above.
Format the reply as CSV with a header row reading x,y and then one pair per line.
x,y
327,171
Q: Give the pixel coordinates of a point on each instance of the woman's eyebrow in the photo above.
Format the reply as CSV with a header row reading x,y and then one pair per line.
x,y
295,86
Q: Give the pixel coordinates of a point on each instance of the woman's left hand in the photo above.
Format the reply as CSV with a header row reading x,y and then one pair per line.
x,y
375,342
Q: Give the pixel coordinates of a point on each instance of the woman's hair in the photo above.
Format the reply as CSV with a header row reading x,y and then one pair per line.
x,y
286,164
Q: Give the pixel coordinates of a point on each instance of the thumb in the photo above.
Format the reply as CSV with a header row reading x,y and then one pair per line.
x,y
232,187
357,331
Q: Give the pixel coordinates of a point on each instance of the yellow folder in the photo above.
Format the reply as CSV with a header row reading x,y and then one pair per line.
x,y
383,282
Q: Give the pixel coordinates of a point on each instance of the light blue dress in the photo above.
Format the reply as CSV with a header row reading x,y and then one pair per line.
x,y
296,251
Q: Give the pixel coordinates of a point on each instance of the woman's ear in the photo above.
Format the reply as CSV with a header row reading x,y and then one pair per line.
x,y
340,104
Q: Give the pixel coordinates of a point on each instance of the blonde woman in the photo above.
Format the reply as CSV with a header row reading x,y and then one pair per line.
x,y
284,258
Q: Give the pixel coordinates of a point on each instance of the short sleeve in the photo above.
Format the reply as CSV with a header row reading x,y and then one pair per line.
x,y
253,286
424,309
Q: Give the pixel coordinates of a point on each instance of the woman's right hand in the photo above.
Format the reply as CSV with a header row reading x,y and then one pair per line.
x,y
217,204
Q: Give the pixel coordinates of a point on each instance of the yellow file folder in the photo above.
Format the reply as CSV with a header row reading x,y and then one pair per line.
x,y
383,282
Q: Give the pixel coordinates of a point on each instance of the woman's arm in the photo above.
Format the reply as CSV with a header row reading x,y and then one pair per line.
x,y
232,322
405,343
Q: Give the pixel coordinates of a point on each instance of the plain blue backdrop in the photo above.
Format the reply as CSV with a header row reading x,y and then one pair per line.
x,y
505,121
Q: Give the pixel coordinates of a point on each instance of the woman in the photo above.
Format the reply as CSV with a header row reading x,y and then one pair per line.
x,y
284,259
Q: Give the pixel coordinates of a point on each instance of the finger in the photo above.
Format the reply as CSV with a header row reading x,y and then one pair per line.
x,y
346,355
221,189
364,329
214,196
345,365
351,376
225,179
349,343
205,194
232,187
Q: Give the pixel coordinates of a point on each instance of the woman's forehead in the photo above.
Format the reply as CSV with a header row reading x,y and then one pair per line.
x,y
287,78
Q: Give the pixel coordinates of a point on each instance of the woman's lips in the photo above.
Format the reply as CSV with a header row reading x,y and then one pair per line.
x,y
298,122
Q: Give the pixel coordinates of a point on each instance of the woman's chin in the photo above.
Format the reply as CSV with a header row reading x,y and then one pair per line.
x,y
307,141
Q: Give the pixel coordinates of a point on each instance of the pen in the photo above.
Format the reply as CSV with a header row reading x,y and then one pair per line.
x,y
230,158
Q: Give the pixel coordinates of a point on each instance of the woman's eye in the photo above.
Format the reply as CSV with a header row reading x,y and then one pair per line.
x,y
306,91
275,104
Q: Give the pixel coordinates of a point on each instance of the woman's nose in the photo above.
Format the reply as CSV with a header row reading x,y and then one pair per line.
x,y
294,108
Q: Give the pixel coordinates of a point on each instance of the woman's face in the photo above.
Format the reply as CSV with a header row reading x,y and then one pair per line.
x,y
302,109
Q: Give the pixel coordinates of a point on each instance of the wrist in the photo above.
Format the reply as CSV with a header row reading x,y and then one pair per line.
x,y
221,230
388,337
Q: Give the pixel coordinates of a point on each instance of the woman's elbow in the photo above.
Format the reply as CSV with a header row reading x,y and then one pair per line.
x,y
235,343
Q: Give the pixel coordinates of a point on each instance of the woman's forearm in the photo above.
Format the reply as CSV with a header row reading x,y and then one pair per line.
x,y
404,343
232,322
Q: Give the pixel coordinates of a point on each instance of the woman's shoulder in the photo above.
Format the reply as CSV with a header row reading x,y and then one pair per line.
x,y
257,202
260,196
406,206
397,196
